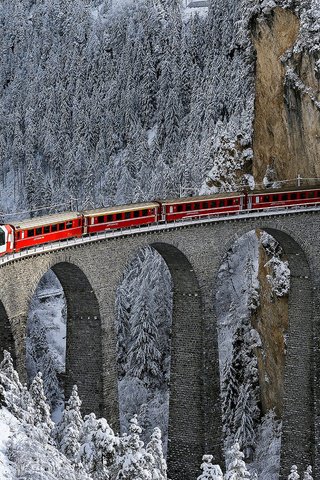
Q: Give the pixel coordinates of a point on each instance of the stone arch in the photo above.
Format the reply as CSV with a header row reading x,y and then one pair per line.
x,y
186,419
298,442
6,334
83,337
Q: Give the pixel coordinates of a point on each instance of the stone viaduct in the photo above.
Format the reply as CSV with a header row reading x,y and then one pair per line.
x,y
90,274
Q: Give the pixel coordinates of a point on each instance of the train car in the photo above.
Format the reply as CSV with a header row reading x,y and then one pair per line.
x,y
223,204
121,216
6,239
283,198
47,229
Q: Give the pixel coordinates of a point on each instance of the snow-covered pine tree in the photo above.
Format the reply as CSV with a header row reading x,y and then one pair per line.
x,y
268,440
85,454
98,448
210,471
67,432
135,463
236,467
294,475
39,359
240,392
307,475
42,409
104,451
144,356
10,386
154,448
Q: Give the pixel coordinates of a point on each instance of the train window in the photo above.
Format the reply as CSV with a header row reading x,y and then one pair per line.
x,y
266,198
109,218
119,216
61,226
188,207
179,208
302,195
274,198
127,215
293,196
213,204
284,196
144,213
236,200
196,206
69,224
205,205
2,237
221,203
310,194
39,231
54,228
30,233
229,202
136,214
100,219
46,229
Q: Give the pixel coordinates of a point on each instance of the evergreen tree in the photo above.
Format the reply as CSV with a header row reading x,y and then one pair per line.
x,y
98,448
42,409
240,392
135,463
237,469
294,473
10,387
308,473
154,448
210,472
67,432
144,356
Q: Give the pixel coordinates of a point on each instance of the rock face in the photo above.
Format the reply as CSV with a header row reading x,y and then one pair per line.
x,y
271,322
287,107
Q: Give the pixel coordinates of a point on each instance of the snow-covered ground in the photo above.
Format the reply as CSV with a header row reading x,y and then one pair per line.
x,y
8,426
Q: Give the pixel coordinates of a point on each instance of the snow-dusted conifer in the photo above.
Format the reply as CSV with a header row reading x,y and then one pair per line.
x,y
67,432
7,368
42,409
307,475
135,462
294,475
11,390
154,448
98,447
144,355
237,469
210,471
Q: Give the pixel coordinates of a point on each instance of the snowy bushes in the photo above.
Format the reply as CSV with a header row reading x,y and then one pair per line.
x,y
89,449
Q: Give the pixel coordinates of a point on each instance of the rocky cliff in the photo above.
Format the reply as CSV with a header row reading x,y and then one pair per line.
x,y
286,125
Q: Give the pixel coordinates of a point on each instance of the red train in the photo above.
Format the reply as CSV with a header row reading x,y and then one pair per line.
x,y
51,228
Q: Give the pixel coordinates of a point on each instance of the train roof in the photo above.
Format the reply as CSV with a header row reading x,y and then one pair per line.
x,y
119,208
295,189
202,198
45,220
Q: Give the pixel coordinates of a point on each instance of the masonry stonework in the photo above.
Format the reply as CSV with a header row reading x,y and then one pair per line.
x,y
90,274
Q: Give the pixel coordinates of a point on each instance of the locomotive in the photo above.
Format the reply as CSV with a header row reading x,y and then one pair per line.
x,y
19,235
